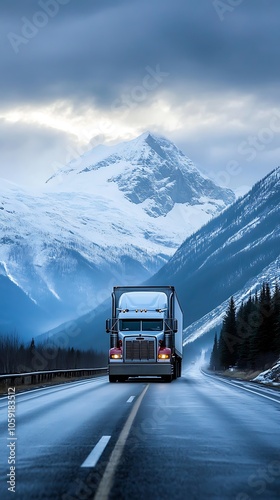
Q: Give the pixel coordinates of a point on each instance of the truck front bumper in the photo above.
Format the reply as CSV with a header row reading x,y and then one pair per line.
x,y
141,369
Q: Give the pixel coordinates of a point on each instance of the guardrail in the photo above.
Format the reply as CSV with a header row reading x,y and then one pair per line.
x,y
30,378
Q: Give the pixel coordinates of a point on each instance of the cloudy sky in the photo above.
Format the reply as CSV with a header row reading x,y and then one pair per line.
x,y
204,73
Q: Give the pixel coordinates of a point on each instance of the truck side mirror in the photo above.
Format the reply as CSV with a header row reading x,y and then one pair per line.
x,y
175,325
108,325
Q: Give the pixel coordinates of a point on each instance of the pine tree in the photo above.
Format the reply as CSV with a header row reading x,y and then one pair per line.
x,y
276,320
228,341
265,332
214,359
244,332
254,321
32,346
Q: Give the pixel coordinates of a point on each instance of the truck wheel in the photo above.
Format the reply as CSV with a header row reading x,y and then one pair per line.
x,y
175,370
167,378
175,374
112,378
180,368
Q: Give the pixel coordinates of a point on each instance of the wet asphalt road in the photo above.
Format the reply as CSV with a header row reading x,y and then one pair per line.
x,y
196,438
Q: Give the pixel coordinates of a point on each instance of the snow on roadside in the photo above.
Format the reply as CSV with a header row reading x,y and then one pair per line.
x,y
271,376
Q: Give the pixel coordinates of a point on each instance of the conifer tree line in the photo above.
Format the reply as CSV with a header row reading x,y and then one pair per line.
x,y
250,336
15,357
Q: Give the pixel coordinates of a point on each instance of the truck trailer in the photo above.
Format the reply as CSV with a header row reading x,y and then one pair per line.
x,y
145,333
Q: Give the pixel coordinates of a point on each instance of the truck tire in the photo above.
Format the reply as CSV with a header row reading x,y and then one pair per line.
x,y
180,368
112,378
176,369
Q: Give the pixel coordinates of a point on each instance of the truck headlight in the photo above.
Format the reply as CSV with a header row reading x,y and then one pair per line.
x,y
115,356
163,356
115,353
164,353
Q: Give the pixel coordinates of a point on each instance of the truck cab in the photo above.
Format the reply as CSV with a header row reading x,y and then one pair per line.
x,y
144,337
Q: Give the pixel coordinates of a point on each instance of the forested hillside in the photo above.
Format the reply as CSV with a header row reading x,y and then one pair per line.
x,y
250,336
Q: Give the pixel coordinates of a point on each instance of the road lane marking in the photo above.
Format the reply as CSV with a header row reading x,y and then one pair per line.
x,y
130,399
238,386
97,451
105,484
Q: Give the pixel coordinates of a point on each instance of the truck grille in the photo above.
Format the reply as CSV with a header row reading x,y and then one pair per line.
x,y
140,350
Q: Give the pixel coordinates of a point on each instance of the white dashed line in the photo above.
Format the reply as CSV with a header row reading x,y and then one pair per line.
x,y
106,482
130,399
97,451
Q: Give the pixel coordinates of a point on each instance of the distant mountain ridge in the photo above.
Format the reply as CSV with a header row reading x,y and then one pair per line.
x,y
114,215
230,254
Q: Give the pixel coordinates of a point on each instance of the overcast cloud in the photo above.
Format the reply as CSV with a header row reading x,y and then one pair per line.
x,y
204,73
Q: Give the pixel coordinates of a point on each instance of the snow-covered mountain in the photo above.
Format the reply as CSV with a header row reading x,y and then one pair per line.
x,y
114,215
232,255
151,172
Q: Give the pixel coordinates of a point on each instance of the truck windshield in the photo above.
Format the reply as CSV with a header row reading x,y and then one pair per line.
x,y
135,325
154,325
130,325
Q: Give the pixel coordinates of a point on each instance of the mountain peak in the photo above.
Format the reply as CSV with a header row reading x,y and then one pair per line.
x,y
158,175
145,134
148,170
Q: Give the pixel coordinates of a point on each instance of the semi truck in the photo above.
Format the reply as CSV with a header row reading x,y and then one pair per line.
x,y
145,333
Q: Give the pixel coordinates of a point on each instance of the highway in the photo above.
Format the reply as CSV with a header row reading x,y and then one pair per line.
x,y
198,437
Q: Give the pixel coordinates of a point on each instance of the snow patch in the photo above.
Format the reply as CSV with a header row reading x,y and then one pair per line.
x,y
270,376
